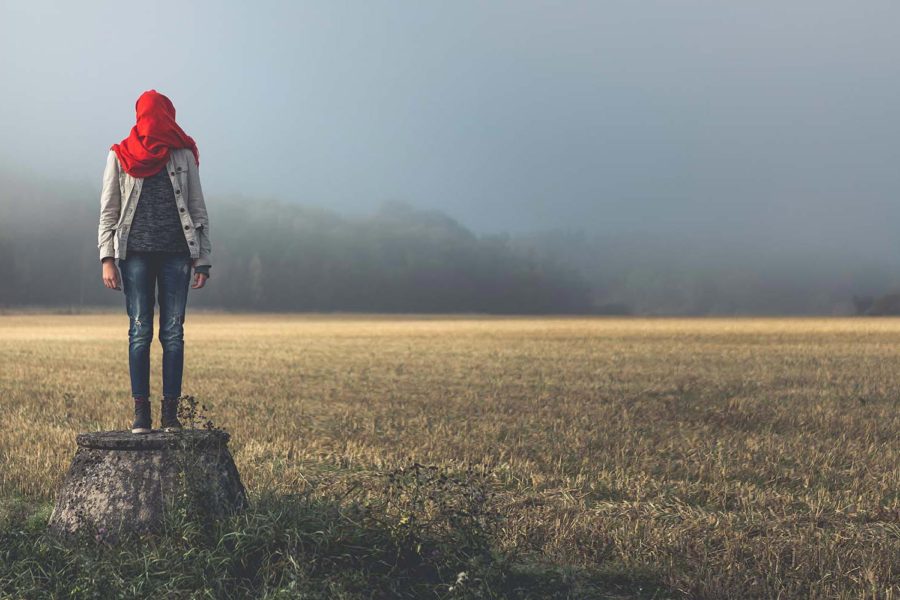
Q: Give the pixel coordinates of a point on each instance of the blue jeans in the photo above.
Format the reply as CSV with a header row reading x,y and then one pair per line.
x,y
141,273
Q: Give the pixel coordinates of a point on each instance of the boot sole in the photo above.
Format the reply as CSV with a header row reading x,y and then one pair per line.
x,y
171,429
140,430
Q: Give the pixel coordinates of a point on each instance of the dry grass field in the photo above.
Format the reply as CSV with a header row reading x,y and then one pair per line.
x,y
712,458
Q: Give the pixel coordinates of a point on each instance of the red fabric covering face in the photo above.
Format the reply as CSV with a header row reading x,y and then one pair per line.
x,y
146,150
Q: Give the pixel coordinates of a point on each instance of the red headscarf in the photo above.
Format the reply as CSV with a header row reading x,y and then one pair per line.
x,y
146,149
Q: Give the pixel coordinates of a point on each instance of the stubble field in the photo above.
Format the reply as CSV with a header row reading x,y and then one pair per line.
x,y
707,458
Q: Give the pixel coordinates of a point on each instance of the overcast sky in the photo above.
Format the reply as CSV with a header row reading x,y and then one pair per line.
x,y
776,118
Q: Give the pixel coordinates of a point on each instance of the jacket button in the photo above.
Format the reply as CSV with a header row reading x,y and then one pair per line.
x,y
187,226
177,191
191,243
181,209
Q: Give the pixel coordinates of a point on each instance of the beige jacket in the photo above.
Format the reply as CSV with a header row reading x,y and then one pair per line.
x,y
120,195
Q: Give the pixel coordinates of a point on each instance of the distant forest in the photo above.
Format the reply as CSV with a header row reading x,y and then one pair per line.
x,y
270,255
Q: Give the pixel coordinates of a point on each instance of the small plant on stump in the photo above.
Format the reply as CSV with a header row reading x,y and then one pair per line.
x,y
195,417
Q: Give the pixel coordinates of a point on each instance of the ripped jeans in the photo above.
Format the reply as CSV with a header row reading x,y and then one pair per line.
x,y
142,273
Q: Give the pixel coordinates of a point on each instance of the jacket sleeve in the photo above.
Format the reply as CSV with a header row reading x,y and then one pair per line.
x,y
110,203
197,208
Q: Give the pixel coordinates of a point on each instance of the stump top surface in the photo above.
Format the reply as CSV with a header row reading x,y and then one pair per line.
x,y
155,440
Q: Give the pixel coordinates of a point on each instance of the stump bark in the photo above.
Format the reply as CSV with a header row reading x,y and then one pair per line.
x,y
119,481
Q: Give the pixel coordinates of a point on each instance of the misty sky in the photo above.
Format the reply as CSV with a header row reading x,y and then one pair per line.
x,y
769,121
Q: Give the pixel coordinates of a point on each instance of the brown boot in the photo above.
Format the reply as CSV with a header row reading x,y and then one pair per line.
x,y
142,422
169,418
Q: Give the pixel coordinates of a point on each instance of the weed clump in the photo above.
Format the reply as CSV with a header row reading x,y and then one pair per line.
x,y
439,524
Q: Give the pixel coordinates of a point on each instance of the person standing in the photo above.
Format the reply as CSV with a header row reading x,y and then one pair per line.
x,y
153,221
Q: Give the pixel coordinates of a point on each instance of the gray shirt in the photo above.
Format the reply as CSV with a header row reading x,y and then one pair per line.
x,y
156,226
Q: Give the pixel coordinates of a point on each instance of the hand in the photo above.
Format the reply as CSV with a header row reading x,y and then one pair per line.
x,y
111,274
199,280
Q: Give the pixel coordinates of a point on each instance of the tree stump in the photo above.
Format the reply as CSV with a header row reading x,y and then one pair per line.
x,y
120,481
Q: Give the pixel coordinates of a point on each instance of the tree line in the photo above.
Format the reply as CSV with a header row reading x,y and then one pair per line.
x,y
270,255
